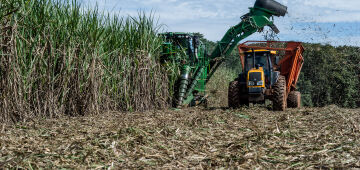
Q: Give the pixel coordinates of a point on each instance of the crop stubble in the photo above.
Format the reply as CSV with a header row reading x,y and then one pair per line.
x,y
200,138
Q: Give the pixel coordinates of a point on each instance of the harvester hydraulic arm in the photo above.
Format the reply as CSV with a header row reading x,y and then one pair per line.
x,y
258,17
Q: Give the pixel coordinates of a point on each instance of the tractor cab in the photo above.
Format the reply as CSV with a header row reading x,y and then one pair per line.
x,y
257,59
258,68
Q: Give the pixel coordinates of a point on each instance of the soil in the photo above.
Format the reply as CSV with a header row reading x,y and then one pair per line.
x,y
189,138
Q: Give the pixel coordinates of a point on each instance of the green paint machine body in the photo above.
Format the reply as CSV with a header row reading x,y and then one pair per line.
x,y
197,66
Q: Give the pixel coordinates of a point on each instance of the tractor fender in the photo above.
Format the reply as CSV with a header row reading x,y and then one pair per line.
x,y
241,78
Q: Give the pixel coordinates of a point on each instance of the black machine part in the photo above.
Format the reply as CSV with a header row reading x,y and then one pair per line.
x,y
275,29
271,5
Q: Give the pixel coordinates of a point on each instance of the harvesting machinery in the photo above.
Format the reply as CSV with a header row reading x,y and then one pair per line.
x,y
269,72
197,66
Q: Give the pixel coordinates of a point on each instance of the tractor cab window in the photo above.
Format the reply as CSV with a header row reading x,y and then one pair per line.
x,y
261,59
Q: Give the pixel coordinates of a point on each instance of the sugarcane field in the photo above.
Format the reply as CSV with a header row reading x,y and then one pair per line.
x,y
121,84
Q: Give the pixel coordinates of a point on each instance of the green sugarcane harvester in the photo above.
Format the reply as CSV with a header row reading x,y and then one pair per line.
x,y
197,66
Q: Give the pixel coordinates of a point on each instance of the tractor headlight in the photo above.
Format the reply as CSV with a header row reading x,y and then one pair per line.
x,y
260,83
251,83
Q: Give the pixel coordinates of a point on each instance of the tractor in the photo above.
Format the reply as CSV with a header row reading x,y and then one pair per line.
x,y
197,65
269,72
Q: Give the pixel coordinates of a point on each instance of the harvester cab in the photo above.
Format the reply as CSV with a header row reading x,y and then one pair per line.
x,y
264,77
181,47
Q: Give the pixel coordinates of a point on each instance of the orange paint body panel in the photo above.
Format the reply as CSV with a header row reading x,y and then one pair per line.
x,y
291,62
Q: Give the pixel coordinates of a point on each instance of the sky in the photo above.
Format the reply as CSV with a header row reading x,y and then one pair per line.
x,y
335,22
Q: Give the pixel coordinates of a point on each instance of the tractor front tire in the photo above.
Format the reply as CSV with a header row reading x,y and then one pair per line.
x,y
234,94
279,95
294,99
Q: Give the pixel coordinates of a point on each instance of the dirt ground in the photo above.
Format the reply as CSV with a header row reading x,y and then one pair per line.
x,y
190,138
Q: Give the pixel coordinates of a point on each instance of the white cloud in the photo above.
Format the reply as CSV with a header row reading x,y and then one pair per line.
x,y
214,17
333,4
325,10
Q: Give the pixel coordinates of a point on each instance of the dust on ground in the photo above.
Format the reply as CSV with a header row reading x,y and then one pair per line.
x,y
195,137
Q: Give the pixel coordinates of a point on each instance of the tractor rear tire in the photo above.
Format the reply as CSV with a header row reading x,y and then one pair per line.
x,y
234,94
279,95
294,99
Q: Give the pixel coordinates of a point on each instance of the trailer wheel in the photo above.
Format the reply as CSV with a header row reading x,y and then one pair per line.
x,y
279,95
234,94
294,99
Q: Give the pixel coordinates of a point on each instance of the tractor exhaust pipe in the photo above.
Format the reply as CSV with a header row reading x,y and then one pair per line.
x,y
272,6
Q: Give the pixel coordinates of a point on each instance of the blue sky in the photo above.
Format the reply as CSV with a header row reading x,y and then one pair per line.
x,y
335,22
